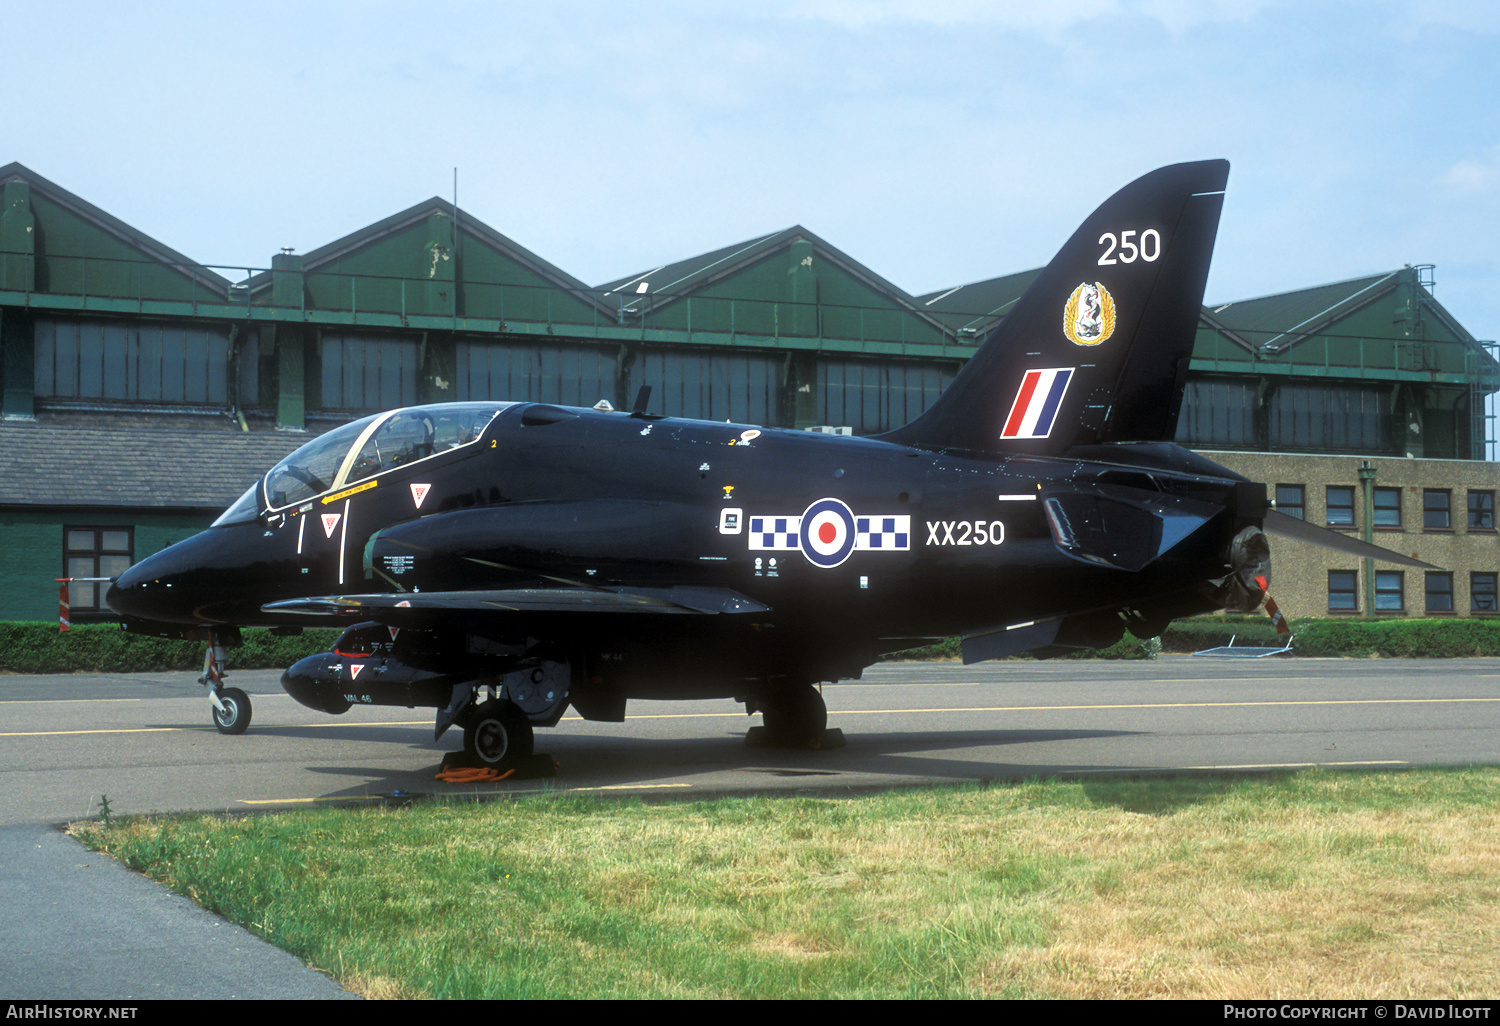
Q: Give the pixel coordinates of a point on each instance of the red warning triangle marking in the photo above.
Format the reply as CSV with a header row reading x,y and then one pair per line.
x,y
354,669
419,492
330,521
394,631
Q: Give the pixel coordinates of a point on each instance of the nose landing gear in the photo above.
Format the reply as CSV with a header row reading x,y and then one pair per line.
x,y
231,706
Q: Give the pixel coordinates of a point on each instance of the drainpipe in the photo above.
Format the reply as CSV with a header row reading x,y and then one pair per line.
x,y
1367,486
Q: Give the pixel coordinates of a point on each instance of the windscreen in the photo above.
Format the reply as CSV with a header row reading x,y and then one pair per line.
x,y
246,507
314,468
373,446
417,433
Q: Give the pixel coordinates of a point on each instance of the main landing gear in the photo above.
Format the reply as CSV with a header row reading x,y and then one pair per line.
x,y
231,706
498,728
794,717
498,735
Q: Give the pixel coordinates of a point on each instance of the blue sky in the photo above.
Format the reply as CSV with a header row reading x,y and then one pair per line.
x,y
937,141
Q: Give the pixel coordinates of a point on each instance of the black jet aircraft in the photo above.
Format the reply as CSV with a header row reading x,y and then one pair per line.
x,y
503,561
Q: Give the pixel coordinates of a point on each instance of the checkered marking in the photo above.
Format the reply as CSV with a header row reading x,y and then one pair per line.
x,y
872,533
883,533
774,533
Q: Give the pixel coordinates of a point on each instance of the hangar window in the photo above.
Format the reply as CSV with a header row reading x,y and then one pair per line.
x,y
871,396
1439,592
367,372
741,387
146,362
561,374
1218,412
94,552
1327,417
1343,591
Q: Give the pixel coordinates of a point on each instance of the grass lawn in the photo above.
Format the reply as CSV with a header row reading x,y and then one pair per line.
x,y
1301,885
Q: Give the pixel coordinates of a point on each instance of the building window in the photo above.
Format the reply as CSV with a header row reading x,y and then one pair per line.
x,y
1340,506
1292,500
1387,507
1481,511
1437,508
1482,592
94,552
1439,593
1389,591
1343,591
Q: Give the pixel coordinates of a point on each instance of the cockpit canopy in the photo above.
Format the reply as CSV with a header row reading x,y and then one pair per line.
x,y
363,450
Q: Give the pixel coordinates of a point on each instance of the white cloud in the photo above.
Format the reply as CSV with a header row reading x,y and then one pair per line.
x,y
1178,16
1047,18
1470,16
1051,20
1473,176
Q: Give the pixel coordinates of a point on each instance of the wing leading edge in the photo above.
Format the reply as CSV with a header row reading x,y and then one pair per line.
x,y
397,608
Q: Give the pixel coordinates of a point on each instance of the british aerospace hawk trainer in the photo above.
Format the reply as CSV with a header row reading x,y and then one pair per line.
x,y
502,561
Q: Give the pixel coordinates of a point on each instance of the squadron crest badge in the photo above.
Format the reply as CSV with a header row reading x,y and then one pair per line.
x,y
1089,316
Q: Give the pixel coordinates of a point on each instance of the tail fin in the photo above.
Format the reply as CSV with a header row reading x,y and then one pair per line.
x,y
1097,349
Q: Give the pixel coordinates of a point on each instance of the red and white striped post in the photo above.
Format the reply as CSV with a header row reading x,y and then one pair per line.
x,y
62,595
62,603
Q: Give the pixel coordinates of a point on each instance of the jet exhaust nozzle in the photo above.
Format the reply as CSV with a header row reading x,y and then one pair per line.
x,y
1250,560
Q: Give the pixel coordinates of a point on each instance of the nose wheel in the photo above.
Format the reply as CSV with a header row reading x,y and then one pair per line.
x,y
231,710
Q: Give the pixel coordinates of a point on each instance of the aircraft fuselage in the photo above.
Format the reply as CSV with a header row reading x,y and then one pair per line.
x,y
907,544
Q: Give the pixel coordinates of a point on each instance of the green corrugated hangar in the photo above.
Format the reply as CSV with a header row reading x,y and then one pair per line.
x,y
143,391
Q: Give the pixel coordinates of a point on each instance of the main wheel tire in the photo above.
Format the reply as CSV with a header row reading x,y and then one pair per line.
x,y
234,718
498,735
797,714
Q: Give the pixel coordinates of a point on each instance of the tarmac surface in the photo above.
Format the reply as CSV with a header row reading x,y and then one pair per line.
x,y
79,927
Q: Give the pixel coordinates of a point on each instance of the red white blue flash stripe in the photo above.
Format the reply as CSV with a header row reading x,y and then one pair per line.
x,y
1037,403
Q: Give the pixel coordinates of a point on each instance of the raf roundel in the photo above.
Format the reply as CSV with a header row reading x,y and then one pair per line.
x,y
826,534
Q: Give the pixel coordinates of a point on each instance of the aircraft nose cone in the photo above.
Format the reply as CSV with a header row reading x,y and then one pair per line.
x,y
142,591
219,576
172,585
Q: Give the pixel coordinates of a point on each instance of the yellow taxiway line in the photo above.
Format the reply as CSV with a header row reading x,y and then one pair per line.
x,y
835,712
